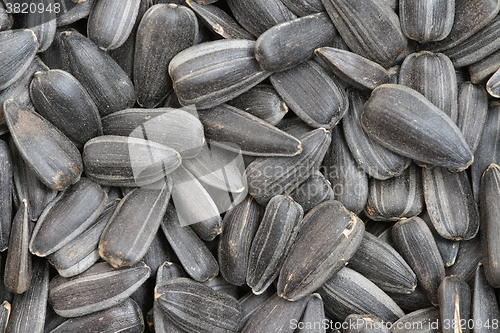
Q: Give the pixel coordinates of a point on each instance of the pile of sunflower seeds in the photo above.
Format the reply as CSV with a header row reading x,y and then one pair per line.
x,y
253,166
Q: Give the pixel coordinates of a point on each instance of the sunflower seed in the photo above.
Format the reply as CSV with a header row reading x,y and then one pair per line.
x,y
484,303
454,304
312,94
251,302
6,19
416,244
197,308
61,99
18,50
357,323
304,7
493,85
416,129
98,288
6,188
482,70
294,126
328,238
313,317
419,321
71,12
447,248
313,191
212,73
412,301
158,253
67,216
468,257
41,22
275,235
5,309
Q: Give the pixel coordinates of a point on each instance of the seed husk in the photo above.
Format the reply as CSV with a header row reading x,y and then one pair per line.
x,y
275,235
134,224
126,317
67,216
18,50
354,69
215,72
328,238
164,31
197,308
158,253
356,28
251,302
417,129
454,304
493,85
110,23
482,70
447,248
312,94
62,100
376,160
304,7
134,162
419,321
104,80
6,191
5,309
383,265
469,256
42,23
251,135
349,292
413,301
416,244
36,138
313,191
219,284
72,12
192,253
357,323
484,303
294,126
270,176
98,288
313,316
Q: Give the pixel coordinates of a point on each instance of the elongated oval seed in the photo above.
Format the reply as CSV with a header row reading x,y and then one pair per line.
x,y
63,101
36,139
111,22
419,321
6,191
312,94
416,244
447,248
313,191
98,288
416,128
329,237
252,136
469,256
484,303
493,85
212,73
482,70
197,308
42,23
454,304
67,216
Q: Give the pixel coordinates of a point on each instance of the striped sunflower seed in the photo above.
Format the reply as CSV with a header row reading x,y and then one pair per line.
x,y
313,316
6,191
493,85
18,50
454,304
419,321
313,191
304,7
413,301
42,23
482,70
447,248
72,12
469,256
219,284
484,303
251,302
5,309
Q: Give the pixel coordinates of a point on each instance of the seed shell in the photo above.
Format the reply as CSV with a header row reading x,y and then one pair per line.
x,y
6,191
41,22
357,323
413,301
313,191
484,303
416,129
251,302
18,50
219,284
419,321
5,309
72,12
304,7
469,256
98,288
493,85
482,70
313,315
328,238
454,304
447,248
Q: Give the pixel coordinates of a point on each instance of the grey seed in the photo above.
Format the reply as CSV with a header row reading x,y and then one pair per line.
x,y
470,17
219,284
185,132
158,253
294,126
383,265
212,73
328,238
400,196
256,16
164,31
236,129
290,43
52,319
105,81
313,316
6,191
426,21
313,191
169,270
312,94
124,317
275,235
381,230
433,76
67,216
42,23
81,252
419,321
36,139
134,224
262,101
275,315
349,292
197,308
251,302
484,303
354,69
193,254
18,267
240,226
271,176
450,203
416,244
482,70
413,301
134,161
18,50
6,19
376,160
53,55
468,257
218,21
304,7
111,22
98,288
472,112
5,309
454,304
493,85
356,28
62,100
29,308
447,248
70,13
416,128
357,323
348,181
